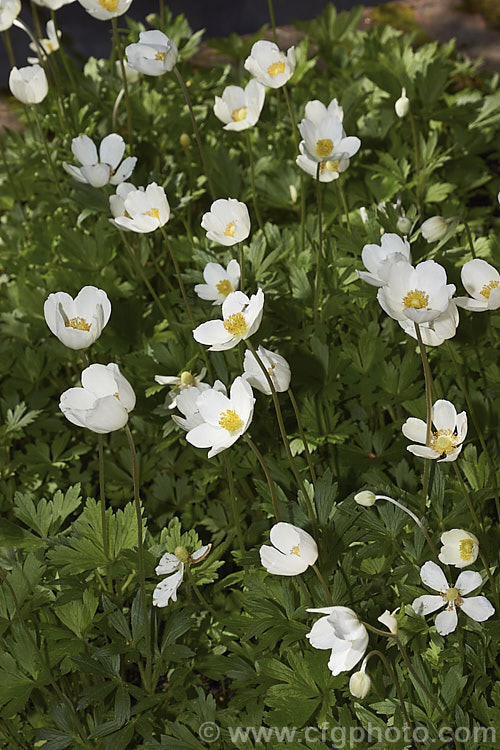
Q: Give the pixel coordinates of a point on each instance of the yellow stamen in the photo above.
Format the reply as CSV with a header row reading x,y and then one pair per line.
x,y
443,441
236,325
276,68
79,324
466,546
239,114
324,147
224,287
116,395
295,550
230,229
110,5
230,420
154,213
416,299
329,166
160,56
488,288
452,595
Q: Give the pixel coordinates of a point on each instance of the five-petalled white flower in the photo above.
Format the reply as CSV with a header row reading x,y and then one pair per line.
x,y
172,566
446,441
277,367
220,281
482,281
269,65
154,53
78,322
227,222
460,548
418,293
224,419
103,168
45,47
343,633
451,598
241,319
293,550
138,209
239,108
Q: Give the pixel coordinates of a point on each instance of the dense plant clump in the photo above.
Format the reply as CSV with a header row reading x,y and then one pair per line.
x,y
249,392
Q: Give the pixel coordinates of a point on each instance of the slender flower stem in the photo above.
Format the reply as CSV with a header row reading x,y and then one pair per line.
x,y
47,150
232,494
198,593
124,79
415,518
102,497
302,435
178,274
272,19
323,583
242,266
467,496
344,204
252,181
140,554
116,107
284,437
392,675
477,425
417,159
428,404
265,469
469,238
62,54
492,582
317,282
196,131
8,46
143,276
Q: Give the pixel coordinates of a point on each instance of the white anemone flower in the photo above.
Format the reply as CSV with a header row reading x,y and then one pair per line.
x,y
143,210
241,319
9,11
227,222
187,403
78,322
172,566
103,168
419,294
225,419
269,65
460,548
53,4
482,281
377,259
179,382
446,440
46,47
276,365
293,550
240,108
154,54
343,633
103,403
29,84
434,229
325,139
220,281
451,598
105,10
436,331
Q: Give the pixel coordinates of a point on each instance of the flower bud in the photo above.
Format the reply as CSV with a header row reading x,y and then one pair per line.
x,y
185,141
402,105
181,554
365,498
29,84
360,685
434,229
403,225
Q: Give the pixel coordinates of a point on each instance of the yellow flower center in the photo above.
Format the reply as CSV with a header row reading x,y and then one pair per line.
x,y
224,287
452,595
443,441
415,298
324,146
466,546
276,68
230,229
488,288
160,56
230,420
110,5
187,378
329,166
154,213
239,114
80,324
236,325
295,550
